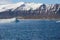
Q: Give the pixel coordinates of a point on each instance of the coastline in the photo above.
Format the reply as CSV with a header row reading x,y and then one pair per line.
x,y
30,19
39,19
34,19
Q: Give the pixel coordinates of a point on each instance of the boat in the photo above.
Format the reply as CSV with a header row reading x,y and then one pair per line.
x,y
16,20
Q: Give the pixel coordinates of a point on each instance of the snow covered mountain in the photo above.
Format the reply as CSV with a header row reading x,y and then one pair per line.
x,y
30,10
20,6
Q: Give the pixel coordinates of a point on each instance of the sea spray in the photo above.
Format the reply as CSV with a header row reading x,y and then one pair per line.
x,y
8,20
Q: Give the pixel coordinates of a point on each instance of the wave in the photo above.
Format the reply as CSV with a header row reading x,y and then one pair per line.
x,y
12,20
57,21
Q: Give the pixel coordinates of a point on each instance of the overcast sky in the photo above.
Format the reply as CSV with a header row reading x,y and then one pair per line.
x,y
37,1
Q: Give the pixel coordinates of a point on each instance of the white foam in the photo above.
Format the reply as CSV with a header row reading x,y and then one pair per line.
x,y
7,20
57,21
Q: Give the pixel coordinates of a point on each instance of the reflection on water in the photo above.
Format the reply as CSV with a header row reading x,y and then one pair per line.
x,y
30,30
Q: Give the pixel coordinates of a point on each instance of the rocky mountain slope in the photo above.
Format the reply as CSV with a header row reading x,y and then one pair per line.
x,y
30,11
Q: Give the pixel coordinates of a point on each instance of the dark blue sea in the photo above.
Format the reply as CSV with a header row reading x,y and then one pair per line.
x,y
30,30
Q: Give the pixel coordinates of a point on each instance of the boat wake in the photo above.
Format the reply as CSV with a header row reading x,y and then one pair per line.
x,y
12,20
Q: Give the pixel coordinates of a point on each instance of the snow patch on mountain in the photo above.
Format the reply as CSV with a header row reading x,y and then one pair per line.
x,y
10,6
21,5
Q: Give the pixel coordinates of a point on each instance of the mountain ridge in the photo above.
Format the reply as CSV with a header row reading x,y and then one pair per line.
x,y
30,10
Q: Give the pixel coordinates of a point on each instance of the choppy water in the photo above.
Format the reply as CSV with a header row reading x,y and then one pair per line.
x,y
30,30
